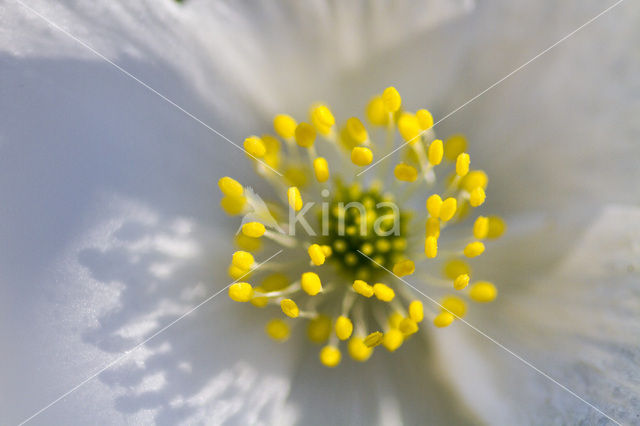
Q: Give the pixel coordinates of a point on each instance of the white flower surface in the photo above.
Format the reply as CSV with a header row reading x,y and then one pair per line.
x,y
111,228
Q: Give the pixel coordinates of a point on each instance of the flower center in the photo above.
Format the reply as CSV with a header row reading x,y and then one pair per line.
x,y
343,273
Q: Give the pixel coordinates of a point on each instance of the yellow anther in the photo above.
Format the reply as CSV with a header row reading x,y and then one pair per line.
x,y
443,319
448,209
481,227
409,127
296,176
326,250
362,288
321,169
373,339
434,204
432,227
416,311
233,205
344,328
275,282
425,119
392,339
474,249
322,118
454,146
290,308
361,156
383,245
391,99
404,268
230,187
253,229
294,198
474,179
435,152
305,135
254,146
454,305
376,113
277,329
394,319
383,292
247,243
455,267
356,130
477,197
330,356
462,164
316,254
497,226
461,281
241,292
431,247
319,329
405,172
284,125
483,291
310,283
243,260
408,326
358,350
271,143
237,273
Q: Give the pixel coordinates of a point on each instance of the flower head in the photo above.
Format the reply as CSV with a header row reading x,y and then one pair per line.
x,y
340,264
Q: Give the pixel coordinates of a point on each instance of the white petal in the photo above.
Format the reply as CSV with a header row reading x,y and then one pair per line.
x,y
579,324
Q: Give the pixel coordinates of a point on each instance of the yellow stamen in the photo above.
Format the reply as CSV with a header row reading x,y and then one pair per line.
x,y
254,146
230,187
319,329
483,292
376,112
432,227
322,118
481,227
448,209
240,292
290,308
316,254
408,326
454,146
431,247
243,260
477,197
253,229
321,169
409,127
462,164
405,172
425,119
373,339
391,99
416,311
361,156
305,135
330,356
474,249
237,273
356,130
435,152
277,329
392,339
497,227
285,126
404,268
473,180
394,319
455,267
358,350
233,205
294,198
310,283
434,205
383,292
363,288
461,281
443,319
454,305
344,328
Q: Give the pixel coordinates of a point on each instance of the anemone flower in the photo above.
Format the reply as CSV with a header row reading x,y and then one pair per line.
x,y
120,119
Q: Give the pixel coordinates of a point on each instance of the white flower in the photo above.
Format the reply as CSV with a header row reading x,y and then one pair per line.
x,y
111,231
